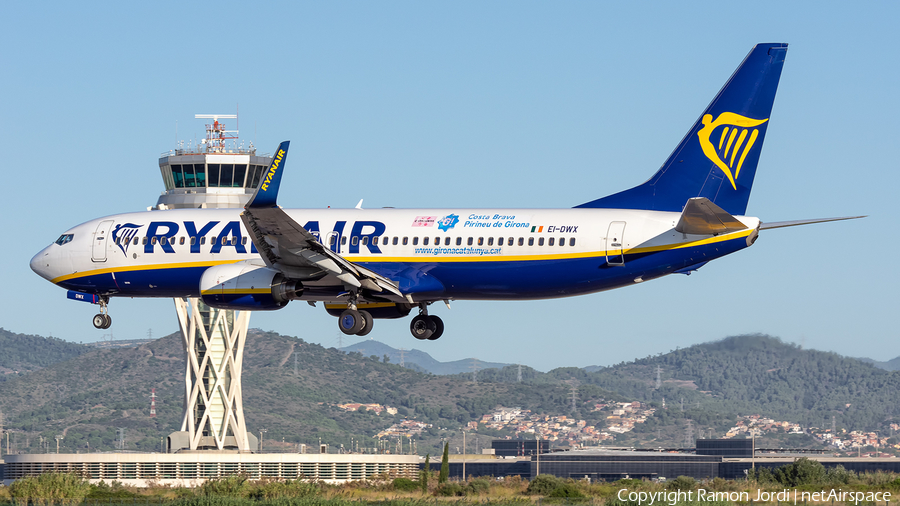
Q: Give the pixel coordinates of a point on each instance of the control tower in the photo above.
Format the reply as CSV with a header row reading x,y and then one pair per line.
x,y
212,175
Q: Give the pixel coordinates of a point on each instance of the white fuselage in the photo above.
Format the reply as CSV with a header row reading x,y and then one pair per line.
x,y
438,254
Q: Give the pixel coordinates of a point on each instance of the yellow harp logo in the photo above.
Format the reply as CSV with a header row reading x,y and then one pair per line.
x,y
732,139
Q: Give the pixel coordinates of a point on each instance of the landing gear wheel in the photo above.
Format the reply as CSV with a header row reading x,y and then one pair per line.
x,y
100,321
108,321
369,322
422,327
438,328
350,322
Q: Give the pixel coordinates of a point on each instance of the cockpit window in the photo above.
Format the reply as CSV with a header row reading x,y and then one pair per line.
x,y
64,239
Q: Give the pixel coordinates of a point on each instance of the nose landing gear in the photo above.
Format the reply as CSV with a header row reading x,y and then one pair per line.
x,y
425,326
102,320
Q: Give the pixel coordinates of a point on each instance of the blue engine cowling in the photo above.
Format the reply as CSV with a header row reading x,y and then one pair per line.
x,y
378,310
243,286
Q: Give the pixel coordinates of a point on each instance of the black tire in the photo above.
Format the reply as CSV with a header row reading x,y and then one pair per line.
x,y
438,328
421,327
350,322
108,321
99,321
368,323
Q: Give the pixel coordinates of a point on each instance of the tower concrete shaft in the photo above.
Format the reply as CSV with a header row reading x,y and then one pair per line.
x,y
214,346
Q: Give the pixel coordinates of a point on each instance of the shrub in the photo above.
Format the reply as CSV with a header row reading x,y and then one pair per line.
x,y
682,483
567,491
231,486
274,489
450,490
405,485
50,488
478,486
839,476
543,484
801,472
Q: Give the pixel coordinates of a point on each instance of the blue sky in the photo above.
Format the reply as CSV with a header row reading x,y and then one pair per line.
x,y
471,104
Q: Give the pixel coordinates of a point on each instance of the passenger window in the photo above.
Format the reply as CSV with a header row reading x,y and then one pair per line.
x,y
224,241
365,240
481,241
415,241
136,241
531,241
243,241
354,240
469,242
375,241
181,241
153,241
447,241
540,241
490,241
459,241
394,242
193,240
550,241
521,241
572,241
203,240
233,241
405,241
437,241
425,241
344,240
562,241
510,242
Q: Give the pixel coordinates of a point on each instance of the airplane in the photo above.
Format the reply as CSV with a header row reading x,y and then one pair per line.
x,y
365,264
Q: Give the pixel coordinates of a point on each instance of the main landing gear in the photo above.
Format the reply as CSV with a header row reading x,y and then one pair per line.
x,y
425,326
102,320
355,322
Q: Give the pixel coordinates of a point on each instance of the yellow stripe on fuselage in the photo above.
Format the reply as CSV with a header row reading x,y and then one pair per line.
x,y
235,291
145,267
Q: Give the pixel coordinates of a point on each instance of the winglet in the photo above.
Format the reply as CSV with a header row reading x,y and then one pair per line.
x,y
267,192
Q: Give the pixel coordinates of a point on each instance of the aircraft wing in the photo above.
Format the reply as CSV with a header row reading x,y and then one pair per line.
x,y
292,250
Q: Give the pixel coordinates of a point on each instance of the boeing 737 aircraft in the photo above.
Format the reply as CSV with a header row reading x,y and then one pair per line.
x,y
369,264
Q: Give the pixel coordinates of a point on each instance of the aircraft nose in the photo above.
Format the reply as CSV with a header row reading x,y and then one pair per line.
x,y
40,263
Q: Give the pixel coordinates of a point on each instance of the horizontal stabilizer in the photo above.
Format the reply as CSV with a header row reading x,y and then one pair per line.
x,y
702,217
782,224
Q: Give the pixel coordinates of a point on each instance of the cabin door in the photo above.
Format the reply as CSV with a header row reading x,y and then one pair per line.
x,y
98,248
615,252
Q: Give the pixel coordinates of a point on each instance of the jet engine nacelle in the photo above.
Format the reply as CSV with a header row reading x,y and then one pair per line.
x,y
243,286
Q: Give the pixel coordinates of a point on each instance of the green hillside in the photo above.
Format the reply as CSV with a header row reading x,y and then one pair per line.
x,y
22,353
291,389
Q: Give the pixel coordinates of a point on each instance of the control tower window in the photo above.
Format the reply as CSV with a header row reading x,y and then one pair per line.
x,y
200,175
177,176
213,175
189,181
226,174
240,171
257,172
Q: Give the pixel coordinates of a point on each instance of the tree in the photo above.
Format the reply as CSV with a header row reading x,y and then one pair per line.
x,y
445,464
423,479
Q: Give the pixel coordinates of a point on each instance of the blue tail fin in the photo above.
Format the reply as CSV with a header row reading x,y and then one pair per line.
x,y
266,194
717,158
